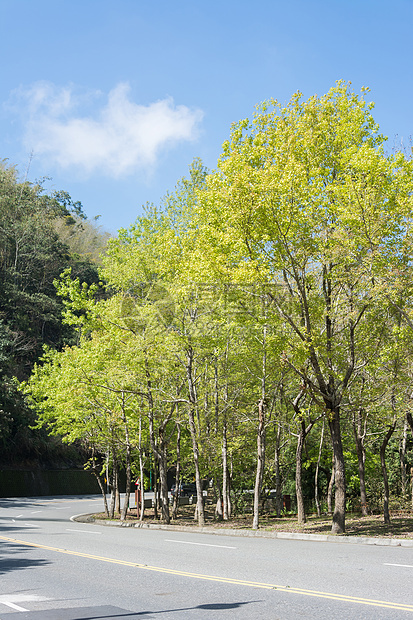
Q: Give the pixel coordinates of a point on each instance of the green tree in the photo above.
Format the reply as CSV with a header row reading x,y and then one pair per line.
x,y
32,255
306,200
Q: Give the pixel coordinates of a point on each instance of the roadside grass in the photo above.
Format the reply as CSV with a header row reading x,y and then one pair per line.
x,y
401,525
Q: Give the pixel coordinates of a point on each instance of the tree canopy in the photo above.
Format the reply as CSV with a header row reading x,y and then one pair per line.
x,y
256,306
32,256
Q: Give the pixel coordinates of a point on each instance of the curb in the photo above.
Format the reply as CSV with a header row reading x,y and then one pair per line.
x,y
355,540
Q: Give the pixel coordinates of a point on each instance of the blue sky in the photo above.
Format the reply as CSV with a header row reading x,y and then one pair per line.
x,y
112,100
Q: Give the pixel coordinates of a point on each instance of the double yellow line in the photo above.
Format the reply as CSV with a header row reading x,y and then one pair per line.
x,y
238,582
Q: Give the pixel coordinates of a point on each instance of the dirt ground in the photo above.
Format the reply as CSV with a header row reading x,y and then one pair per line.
x,y
401,525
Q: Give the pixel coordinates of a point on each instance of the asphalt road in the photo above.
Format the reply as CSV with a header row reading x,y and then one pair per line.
x,y
52,568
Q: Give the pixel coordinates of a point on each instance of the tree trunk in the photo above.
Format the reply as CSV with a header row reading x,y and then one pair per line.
x,y
409,419
192,428
107,481
177,472
94,468
260,434
226,476
304,430
163,472
298,475
142,510
114,487
218,501
260,464
411,482
155,488
163,483
161,490
359,436
199,491
159,452
117,494
127,463
339,515
226,509
125,506
278,489
316,495
402,452
386,512
330,489
102,490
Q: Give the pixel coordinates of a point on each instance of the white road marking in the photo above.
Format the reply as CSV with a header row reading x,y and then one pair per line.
x,y
22,598
85,531
186,542
17,517
74,517
13,606
402,565
35,512
31,525
10,600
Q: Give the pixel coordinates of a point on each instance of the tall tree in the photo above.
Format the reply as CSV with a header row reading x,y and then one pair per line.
x,y
306,200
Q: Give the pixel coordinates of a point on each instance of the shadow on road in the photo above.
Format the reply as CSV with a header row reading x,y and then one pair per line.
x,y
9,564
207,607
108,612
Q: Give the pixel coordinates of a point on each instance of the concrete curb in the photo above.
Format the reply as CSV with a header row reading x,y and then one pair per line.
x,y
355,540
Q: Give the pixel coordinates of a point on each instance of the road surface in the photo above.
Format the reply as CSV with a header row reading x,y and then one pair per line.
x,y
54,568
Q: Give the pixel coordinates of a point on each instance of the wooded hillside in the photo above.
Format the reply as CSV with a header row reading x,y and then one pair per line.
x,y
36,244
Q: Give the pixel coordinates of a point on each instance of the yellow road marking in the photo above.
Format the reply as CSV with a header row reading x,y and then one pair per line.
x,y
239,582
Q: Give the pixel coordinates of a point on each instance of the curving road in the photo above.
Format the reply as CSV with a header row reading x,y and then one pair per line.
x,y
58,569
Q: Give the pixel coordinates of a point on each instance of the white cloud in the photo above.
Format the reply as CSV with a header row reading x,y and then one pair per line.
x,y
118,139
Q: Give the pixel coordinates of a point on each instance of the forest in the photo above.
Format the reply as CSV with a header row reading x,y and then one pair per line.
x,y
251,334
40,236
